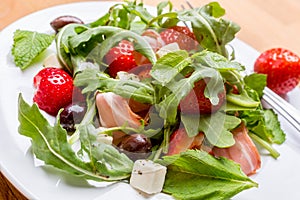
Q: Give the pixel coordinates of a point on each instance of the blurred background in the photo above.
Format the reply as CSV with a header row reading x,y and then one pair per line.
x,y
265,23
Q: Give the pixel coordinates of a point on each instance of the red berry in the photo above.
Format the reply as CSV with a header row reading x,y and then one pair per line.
x,y
120,58
196,102
282,68
54,88
182,35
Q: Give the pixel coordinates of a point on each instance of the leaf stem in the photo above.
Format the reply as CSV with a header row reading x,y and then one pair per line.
x,y
275,154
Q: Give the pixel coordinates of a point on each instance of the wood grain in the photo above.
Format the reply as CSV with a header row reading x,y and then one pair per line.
x,y
8,191
264,24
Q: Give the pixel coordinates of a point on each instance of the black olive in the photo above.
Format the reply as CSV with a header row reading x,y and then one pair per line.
x,y
71,115
61,21
136,146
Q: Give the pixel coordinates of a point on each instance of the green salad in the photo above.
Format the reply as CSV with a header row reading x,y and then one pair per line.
x,y
162,87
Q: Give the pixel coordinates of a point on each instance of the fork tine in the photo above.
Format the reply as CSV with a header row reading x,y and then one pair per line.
x,y
286,110
189,4
182,6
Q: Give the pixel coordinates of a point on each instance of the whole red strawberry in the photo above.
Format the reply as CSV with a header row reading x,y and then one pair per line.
x,y
282,68
182,35
196,102
120,58
54,88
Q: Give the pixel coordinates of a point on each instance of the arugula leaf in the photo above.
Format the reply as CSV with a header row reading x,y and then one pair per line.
x,y
232,107
242,99
28,45
216,127
216,61
123,15
77,40
62,44
92,80
94,43
102,21
198,175
100,154
216,10
256,82
140,44
211,31
50,145
179,89
168,66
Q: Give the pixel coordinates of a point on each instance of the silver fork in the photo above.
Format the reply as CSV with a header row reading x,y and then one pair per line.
x,y
285,109
281,106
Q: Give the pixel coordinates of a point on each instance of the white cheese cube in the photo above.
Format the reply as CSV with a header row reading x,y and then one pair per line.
x,y
103,138
147,176
52,61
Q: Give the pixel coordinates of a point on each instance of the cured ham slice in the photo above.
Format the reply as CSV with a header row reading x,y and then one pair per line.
x,y
114,111
243,151
180,142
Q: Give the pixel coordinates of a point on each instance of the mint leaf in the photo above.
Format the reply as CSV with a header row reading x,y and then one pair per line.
x,y
50,145
198,175
272,124
28,45
267,126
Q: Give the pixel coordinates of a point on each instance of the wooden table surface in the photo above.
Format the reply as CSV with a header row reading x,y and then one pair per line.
x,y
264,24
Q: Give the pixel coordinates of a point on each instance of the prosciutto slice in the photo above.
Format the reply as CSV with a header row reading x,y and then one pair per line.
x,y
243,151
114,111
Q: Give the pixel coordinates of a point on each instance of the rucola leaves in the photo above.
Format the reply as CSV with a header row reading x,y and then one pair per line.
x,y
50,145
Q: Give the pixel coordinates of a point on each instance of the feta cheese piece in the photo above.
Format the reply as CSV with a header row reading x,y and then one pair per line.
x,y
103,138
147,176
127,76
52,61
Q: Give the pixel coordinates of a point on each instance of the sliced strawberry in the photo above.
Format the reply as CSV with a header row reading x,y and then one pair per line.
x,y
120,58
196,102
54,88
282,68
180,142
243,151
182,35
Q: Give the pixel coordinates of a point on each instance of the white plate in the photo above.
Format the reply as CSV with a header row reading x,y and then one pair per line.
x,y
278,179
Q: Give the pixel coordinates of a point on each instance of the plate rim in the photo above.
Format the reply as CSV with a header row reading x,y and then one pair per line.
x,y
7,172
